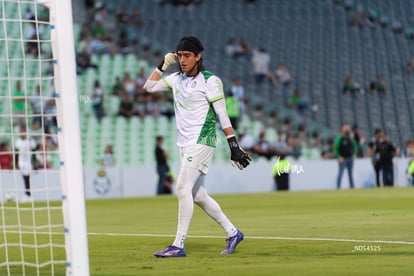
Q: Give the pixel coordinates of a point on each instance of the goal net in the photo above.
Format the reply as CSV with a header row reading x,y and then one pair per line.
x,y
42,209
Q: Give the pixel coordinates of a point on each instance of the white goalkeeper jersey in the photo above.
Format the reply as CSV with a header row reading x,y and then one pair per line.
x,y
193,98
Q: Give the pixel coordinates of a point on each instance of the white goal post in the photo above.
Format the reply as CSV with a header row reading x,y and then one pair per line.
x,y
17,236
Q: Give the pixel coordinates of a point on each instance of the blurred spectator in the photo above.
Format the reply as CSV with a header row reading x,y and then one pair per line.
x,y
98,30
397,26
411,171
372,153
33,45
410,66
386,152
166,106
246,141
409,148
140,106
345,150
162,165
83,61
136,20
24,147
140,80
260,61
117,87
357,19
43,159
84,33
293,147
123,43
233,110
328,151
19,105
297,102
377,85
281,171
281,75
126,107
351,87
38,103
272,121
151,106
262,147
128,85
36,132
98,100
237,89
384,20
97,45
108,158
359,140
50,114
280,143
50,139
29,15
232,48
246,51
6,157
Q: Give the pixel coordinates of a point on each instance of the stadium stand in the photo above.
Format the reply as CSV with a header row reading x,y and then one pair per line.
x,y
313,38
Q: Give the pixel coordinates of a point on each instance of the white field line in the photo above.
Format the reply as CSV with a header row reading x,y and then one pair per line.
x,y
256,238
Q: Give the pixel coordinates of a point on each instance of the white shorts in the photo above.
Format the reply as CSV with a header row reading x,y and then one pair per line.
x,y
197,156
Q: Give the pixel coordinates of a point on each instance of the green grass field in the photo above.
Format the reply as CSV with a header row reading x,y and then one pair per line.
x,y
358,232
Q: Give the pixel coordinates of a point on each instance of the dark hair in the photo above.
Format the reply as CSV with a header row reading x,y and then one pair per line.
x,y
192,44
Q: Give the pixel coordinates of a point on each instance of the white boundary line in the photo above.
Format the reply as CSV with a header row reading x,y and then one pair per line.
x,y
256,238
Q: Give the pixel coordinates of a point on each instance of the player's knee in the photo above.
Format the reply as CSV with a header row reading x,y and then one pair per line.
x,y
200,198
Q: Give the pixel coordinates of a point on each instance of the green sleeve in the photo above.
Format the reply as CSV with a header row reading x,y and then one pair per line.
x,y
336,146
411,168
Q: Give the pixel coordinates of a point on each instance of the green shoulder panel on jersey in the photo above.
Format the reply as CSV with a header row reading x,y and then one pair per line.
x,y
208,131
206,74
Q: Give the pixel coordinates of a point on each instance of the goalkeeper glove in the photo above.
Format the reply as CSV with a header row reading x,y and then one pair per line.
x,y
170,58
238,156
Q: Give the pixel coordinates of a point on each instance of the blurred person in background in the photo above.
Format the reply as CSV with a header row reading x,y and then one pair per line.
x,y
163,168
281,171
24,147
237,89
19,105
233,110
372,153
260,62
280,75
6,157
297,102
345,150
108,158
328,151
351,87
98,100
43,160
386,152
359,140
377,85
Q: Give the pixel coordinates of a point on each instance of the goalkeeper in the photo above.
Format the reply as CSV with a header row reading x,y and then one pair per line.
x,y
198,99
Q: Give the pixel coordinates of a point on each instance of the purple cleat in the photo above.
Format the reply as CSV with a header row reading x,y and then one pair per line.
x,y
171,251
232,242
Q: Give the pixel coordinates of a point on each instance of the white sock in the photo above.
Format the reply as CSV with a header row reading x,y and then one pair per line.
x,y
212,208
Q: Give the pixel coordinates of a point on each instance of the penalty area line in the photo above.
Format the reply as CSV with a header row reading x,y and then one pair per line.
x,y
254,238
